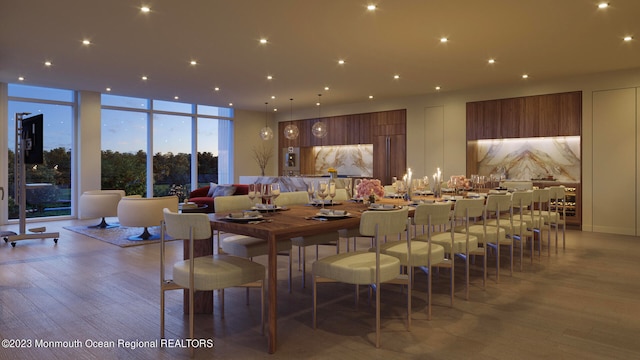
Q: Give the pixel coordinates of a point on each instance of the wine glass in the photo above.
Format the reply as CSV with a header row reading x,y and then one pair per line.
x,y
252,193
401,188
347,187
310,190
275,192
266,193
323,191
332,191
356,185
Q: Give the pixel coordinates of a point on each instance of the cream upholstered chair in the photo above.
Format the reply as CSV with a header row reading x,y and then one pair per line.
x,y
499,205
462,243
330,238
136,211
557,212
424,254
367,267
205,273
95,204
521,219
541,223
243,245
430,216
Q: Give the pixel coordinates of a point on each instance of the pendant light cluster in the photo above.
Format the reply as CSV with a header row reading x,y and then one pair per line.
x,y
291,131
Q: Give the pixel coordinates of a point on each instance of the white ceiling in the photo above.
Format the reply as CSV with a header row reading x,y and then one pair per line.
x,y
543,38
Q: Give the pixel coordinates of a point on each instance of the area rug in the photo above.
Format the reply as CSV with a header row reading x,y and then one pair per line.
x,y
117,235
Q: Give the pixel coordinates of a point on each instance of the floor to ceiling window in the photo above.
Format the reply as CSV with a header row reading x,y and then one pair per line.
x,y
178,135
48,185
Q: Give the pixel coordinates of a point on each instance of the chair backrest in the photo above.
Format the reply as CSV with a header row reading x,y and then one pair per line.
x,y
292,198
232,203
178,226
440,214
341,195
541,195
556,193
138,211
522,199
389,222
498,203
475,208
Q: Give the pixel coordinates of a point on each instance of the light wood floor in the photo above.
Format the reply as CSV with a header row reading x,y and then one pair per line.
x,y
583,303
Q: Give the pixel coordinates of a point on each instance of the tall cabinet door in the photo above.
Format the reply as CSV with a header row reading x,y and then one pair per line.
x,y
389,157
614,161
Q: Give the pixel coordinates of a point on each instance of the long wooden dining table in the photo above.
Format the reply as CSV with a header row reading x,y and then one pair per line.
x,y
282,225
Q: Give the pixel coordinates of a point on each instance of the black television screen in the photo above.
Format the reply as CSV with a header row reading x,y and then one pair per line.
x,y
32,139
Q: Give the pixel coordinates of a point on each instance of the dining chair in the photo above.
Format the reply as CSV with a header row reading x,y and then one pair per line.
x,y
243,245
463,244
205,273
522,220
424,254
367,267
557,212
330,238
430,216
541,198
496,229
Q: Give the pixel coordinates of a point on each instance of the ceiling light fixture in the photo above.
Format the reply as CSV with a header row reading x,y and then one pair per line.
x,y
266,133
444,40
269,77
326,88
603,5
145,78
263,41
371,7
438,88
108,89
319,128
340,62
291,131
20,78
86,42
396,77
145,9
370,96
193,62
492,61
47,63
216,89
525,76
627,38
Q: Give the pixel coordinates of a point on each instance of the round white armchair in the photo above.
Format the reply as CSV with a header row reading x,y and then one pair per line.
x,y
136,211
100,204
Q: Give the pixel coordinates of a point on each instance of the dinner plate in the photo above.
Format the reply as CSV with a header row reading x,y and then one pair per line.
x,y
330,215
326,202
266,209
384,208
244,218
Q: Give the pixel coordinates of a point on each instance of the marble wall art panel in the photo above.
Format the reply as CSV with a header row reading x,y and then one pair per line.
x,y
531,158
354,160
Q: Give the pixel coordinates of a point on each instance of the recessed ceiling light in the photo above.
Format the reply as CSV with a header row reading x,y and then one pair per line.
x,y
492,61
193,62
176,97
269,77
370,96
144,77
47,63
108,89
444,40
216,88
603,5
20,78
273,96
263,41
275,109
341,62
371,7
628,38
525,76
326,88
437,87
230,104
86,42
396,77
145,9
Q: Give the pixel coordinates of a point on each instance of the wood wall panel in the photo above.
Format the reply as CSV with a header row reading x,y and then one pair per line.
x,y
511,117
549,115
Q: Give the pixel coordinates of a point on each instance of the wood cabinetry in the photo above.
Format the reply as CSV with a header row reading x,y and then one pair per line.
x,y
386,130
531,116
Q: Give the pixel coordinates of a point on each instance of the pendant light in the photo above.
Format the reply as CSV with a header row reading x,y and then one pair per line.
x,y
291,131
319,128
266,133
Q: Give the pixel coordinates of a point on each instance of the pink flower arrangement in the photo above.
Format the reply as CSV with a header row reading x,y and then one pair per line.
x,y
460,181
367,186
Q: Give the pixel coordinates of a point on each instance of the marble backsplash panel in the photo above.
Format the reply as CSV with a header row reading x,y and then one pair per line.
x,y
531,158
355,160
